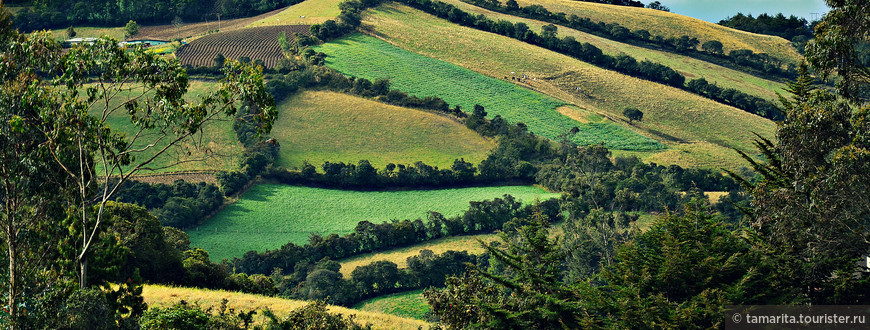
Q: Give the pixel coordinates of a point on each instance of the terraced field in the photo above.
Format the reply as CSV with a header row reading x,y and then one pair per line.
x,y
317,126
667,24
254,43
699,132
269,215
690,67
367,57
163,296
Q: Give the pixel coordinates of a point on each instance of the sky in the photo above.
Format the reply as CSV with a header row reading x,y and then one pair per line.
x,y
716,10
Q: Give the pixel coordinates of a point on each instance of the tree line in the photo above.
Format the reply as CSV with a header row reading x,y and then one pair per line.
x,y
760,64
788,28
589,53
367,237
53,14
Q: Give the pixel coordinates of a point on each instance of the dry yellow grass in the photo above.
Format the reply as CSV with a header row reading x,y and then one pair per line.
x,y
690,67
91,32
158,295
307,12
318,126
400,256
681,120
715,196
672,25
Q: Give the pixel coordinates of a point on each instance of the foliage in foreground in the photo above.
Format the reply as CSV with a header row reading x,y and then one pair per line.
x,y
803,243
184,315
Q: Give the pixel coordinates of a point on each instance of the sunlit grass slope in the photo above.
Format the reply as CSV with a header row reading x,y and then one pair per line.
x,y
409,304
400,256
90,32
215,148
667,24
318,126
699,131
158,295
371,58
690,67
269,215
307,12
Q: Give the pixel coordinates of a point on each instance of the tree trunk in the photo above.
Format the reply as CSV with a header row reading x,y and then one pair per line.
x,y
83,266
13,280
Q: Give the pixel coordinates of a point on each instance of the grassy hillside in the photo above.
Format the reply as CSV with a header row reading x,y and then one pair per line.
x,y
158,295
269,215
365,56
690,67
399,256
304,13
699,132
409,304
217,145
91,32
327,126
667,24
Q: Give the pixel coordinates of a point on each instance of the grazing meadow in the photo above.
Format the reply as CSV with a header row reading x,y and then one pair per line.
x,y
307,12
409,304
691,68
368,57
270,215
701,132
319,126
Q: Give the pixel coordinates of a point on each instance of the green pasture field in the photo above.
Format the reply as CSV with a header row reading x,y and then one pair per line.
x,y
319,126
409,304
368,57
91,32
307,12
270,215
697,131
214,148
690,67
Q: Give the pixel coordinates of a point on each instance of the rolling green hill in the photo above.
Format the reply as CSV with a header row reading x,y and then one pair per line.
x,y
690,67
698,131
667,24
367,57
269,215
325,126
